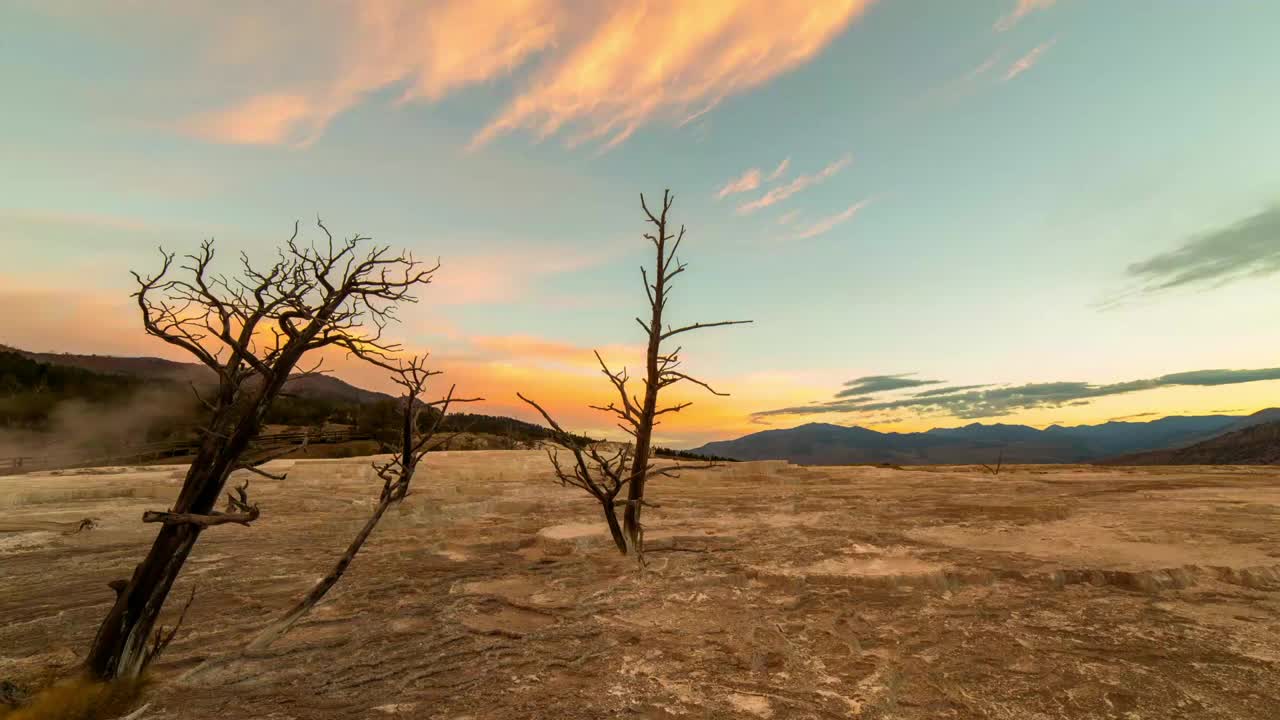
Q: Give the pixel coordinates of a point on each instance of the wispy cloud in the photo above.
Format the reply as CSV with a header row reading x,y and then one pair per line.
x,y
1020,11
1246,248
508,274
787,218
425,48
1135,416
1028,61
752,179
872,384
782,168
947,390
957,87
749,180
826,224
265,120
782,192
596,71
997,401
642,61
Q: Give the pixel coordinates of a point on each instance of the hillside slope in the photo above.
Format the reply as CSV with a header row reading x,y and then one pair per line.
x,y
136,398
1255,445
322,387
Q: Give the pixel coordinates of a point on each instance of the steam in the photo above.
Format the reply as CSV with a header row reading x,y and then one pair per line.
x,y
82,429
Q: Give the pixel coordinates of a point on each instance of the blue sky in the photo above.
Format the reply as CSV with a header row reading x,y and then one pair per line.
x,y
993,172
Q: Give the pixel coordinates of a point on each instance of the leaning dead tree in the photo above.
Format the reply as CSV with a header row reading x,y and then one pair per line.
x,y
418,434
604,477
251,331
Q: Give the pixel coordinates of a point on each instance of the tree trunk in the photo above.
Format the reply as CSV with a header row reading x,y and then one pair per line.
x,y
644,431
119,648
615,530
639,467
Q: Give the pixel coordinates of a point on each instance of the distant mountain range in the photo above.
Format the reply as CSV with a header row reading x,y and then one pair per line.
x,y
1203,439
319,387
826,444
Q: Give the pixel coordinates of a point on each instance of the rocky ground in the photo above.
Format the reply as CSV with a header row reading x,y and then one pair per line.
x,y
771,591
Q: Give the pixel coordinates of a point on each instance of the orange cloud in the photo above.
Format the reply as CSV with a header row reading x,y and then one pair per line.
x,y
1021,10
1028,61
264,120
605,69
669,59
750,180
782,168
827,223
803,182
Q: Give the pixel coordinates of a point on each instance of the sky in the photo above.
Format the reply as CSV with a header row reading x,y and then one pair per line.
x,y
936,212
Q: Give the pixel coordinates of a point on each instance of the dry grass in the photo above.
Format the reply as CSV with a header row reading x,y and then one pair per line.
x,y
77,698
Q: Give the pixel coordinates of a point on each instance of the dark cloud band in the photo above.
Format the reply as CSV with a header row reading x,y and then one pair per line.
x,y
872,384
965,402
1249,247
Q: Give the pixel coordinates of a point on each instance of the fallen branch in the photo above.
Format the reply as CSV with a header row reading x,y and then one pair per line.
x,y
204,521
238,511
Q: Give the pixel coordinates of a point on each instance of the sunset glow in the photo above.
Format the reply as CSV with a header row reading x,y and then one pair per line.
x,y
1004,197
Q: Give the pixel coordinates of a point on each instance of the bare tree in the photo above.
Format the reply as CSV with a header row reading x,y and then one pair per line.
x,y
600,474
416,440
251,331
604,477
999,464
662,366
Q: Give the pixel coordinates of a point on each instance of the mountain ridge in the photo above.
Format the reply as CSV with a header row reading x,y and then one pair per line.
x,y
830,444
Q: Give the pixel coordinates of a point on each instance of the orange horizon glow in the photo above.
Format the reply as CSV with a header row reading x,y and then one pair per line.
x,y
565,378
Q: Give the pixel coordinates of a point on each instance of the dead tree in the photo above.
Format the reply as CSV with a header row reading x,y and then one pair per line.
x,y
662,366
601,475
999,464
416,440
604,477
251,331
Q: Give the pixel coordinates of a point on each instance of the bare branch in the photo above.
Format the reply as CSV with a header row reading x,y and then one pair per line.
x,y
162,639
701,326
669,377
